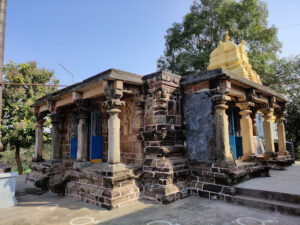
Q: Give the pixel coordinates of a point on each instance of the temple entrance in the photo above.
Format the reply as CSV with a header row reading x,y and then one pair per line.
x,y
96,153
235,138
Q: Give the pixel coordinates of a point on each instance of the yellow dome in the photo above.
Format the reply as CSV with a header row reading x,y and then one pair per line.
x,y
231,57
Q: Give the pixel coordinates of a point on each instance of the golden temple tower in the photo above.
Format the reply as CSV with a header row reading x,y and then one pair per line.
x,y
234,58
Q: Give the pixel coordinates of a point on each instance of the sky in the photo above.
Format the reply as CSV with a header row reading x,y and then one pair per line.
x,y
90,36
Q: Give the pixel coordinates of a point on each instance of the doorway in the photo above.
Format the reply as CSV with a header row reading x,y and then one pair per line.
x,y
235,138
97,141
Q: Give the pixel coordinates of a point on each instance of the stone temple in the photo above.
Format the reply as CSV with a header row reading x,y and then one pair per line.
x,y
118,137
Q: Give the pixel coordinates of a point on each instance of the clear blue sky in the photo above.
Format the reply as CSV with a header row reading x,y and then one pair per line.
x,y
90,36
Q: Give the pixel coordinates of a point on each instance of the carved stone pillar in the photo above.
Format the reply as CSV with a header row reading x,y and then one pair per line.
x,y
268,130
82,131
38,139
114,152
281,136
113,93
246,129
55,145
222,134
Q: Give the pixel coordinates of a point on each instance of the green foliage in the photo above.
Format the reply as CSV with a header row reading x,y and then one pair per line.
x,y
8,157
18,121
189,44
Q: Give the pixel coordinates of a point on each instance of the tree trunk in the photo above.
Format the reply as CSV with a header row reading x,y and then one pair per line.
x,y
18,160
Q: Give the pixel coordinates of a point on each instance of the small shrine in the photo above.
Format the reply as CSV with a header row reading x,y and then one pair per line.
x,y
118,137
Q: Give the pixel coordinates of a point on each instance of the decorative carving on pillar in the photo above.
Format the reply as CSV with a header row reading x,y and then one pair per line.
x,y
268,131
280,118
246,129
113,92
127,120
222,135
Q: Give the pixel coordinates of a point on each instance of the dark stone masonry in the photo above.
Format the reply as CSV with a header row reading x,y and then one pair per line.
x,y
119,137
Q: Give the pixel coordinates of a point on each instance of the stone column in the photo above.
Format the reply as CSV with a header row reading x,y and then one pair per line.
x,y
114,153
268,130
38,139
246,129
281,136
82,131
222,134
55,144
113,93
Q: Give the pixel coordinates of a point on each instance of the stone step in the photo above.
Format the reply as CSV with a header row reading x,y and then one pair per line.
x,y
273,205
269,195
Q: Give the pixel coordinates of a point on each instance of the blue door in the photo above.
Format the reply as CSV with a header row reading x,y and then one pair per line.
x,y
74,138
231,128
239,146
96,136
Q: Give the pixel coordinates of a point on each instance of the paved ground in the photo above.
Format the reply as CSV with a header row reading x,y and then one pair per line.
x,y
285,181
50,209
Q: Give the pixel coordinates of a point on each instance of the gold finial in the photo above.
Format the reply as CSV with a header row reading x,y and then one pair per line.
x,y
227,38
243,42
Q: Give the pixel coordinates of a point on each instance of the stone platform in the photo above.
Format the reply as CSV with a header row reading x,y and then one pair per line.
x,y
287,181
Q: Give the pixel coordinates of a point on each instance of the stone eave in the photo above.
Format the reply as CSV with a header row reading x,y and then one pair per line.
x,y
223,73
110,74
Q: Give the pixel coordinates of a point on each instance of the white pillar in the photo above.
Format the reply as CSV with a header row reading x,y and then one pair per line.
x,y
82,130
113,136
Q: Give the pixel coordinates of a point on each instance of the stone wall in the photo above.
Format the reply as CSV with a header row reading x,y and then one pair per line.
x,y
131,140
95,185
199,125
165,164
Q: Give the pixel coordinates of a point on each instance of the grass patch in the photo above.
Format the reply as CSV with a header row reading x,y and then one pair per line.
x,y
8,157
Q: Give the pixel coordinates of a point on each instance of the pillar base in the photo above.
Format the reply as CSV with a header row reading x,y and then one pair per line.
x,y
225,164
249,158
268,155
283,153
109,185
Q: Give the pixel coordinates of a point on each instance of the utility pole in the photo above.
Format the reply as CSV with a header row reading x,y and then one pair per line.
x,y
2,36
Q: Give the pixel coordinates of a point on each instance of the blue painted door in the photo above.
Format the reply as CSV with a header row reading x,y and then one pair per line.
x,y
231,128
96,136
239,146
74,138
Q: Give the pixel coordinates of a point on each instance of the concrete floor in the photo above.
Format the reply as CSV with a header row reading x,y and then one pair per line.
x,y
48,208
284,181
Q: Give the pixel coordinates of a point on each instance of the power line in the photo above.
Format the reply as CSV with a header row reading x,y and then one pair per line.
x,y
45,85
68,72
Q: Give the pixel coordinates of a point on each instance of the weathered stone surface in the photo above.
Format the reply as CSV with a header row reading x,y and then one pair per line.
x,y
200,121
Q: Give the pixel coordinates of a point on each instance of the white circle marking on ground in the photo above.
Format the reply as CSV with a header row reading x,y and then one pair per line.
x,y
160,221
46,207
262,222
91,220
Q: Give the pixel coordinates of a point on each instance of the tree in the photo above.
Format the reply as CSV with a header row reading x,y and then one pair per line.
x,y
18,121
189,44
